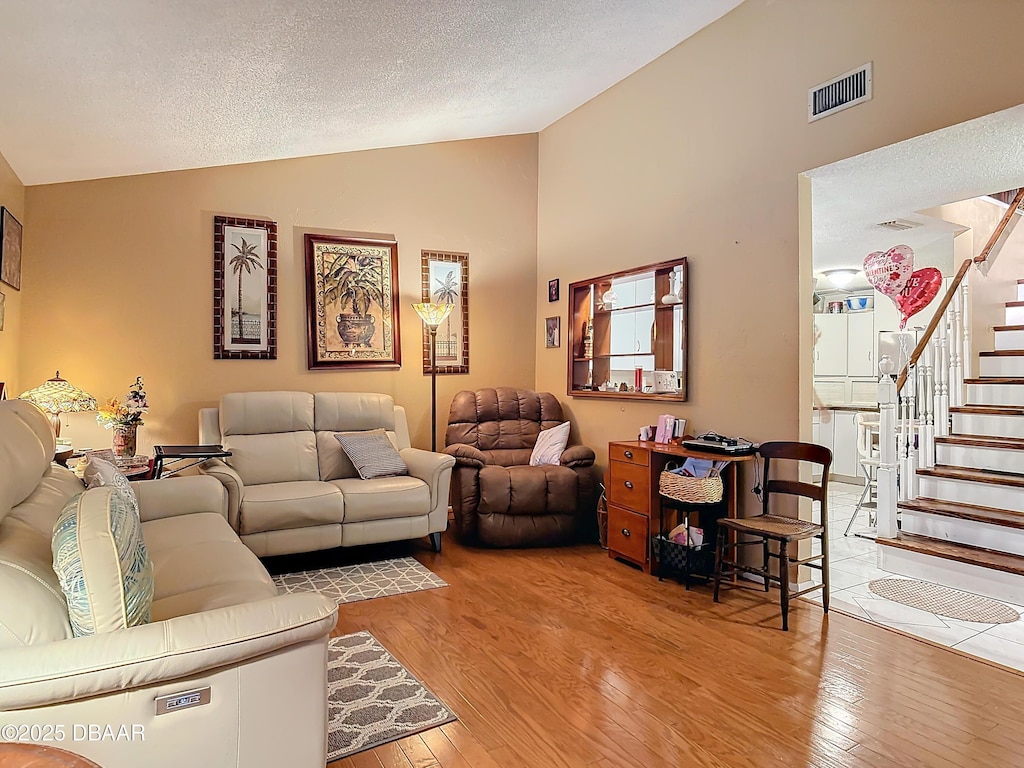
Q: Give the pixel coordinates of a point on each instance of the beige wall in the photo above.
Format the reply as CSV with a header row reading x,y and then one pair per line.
x,y
989,292
699,153
120,278
12,196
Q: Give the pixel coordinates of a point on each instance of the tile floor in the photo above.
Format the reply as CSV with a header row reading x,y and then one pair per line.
x,y
854,564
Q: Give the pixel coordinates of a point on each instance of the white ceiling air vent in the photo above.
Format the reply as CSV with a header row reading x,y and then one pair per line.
x,y
839,93
899,225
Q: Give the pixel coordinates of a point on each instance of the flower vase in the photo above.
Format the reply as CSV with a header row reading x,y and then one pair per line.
x,y
125,436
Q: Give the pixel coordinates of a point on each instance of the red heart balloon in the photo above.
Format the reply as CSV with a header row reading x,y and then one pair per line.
x,y
921,288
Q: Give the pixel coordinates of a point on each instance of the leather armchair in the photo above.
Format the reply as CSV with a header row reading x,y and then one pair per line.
x,y
499,500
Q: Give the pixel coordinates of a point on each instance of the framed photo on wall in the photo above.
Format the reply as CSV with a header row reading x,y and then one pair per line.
x,y
553,290
445,280
3,310
552,332
10,249
352,303
244,289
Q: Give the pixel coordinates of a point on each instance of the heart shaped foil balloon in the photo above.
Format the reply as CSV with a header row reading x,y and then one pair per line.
x,y
922,287
888,271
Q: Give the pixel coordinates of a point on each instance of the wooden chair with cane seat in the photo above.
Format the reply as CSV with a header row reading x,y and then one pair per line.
x,y
783,530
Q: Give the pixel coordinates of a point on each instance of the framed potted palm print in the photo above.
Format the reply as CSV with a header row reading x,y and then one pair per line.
x,y
446,281
352,303
244,289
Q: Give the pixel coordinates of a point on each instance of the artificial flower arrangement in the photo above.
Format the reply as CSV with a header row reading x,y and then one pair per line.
x,y
124,414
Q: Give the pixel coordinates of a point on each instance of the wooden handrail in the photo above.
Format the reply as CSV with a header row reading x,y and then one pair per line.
x,y
936,319
980,258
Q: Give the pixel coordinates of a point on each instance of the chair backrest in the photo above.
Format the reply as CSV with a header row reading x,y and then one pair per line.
x,y
793,451
867,435
501,419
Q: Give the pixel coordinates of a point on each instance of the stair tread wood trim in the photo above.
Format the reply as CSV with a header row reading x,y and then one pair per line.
x,y
996,380
989,476
1004,352
972,512
1008,327
984,441
986,558
1015,303
990,410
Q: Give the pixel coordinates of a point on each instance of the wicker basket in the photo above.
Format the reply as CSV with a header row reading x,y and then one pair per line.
x,y
692,490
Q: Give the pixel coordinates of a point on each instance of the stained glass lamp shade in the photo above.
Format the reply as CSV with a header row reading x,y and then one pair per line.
x,y
432,314
57,396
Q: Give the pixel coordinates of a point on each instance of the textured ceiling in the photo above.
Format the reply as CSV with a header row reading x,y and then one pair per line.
x,y
95,88
851,197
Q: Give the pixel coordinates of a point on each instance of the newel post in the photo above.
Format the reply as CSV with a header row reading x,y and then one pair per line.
x,y
887,460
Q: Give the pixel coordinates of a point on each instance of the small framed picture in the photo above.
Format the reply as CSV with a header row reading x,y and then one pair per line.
x,y
10,249
553,290
552,332
3,302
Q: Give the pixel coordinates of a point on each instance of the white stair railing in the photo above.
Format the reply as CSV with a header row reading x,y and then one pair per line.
x,y
914,409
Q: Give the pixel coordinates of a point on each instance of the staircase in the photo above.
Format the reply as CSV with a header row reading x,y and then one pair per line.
x,y
961,515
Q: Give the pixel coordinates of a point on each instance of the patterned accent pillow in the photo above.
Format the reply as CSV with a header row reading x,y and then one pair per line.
x,y
102,564
550,445
100,472
372,454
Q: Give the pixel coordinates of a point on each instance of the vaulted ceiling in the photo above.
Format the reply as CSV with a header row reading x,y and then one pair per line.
x,y
95,88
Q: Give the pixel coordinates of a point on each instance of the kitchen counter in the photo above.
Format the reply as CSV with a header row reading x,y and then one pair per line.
x,y
858,408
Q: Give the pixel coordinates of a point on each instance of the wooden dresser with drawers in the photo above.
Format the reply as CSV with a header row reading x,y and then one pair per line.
x,y
633,501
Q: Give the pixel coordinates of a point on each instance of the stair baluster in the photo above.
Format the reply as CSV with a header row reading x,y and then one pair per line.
x,y
887,453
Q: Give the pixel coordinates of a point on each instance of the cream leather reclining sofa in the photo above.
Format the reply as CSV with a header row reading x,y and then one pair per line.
x,y
217,623
291,488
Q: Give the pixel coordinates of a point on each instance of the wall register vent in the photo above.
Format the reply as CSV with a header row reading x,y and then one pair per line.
x,y
899,225
840,93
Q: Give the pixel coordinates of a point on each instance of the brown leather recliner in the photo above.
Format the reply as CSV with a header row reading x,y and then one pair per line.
x,y
498,498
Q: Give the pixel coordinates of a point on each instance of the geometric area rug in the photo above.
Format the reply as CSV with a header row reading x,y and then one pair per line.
x,y
351,583
372,698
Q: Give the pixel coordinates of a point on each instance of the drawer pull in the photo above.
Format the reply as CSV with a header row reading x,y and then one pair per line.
x,y
628,454
625,532
628,484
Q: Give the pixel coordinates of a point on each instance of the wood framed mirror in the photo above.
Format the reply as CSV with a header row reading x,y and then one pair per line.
x,y
627,335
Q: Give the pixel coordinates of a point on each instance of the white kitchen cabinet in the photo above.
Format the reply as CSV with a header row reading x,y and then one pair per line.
x,y
860,344
887,315
844,449
830,349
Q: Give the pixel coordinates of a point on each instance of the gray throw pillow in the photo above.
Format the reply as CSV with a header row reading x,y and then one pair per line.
x,y
372,454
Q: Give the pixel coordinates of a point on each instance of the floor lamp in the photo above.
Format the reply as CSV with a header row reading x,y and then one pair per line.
x,y
432,316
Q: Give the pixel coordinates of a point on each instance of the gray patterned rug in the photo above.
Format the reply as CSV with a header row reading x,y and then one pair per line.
x,y
372,698
351,583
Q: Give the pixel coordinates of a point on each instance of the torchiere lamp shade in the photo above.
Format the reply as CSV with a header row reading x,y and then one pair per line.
x,y
56,396
432,314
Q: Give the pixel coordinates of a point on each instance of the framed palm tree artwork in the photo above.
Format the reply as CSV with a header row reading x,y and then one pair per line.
x,y
445,280
352,318
244,289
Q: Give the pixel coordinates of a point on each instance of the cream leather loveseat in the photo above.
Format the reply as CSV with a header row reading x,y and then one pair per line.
x,y
217,624
291,488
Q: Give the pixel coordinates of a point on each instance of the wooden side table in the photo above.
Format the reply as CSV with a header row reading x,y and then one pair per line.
x,y
23,755
634,503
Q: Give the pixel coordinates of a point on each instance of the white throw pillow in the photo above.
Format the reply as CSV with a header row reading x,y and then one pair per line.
x,y
550,445
100,472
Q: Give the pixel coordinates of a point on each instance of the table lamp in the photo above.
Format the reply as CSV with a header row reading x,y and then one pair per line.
x,y
57,396
432,316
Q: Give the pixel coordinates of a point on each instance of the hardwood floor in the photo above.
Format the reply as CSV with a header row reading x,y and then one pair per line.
x,y
563,657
